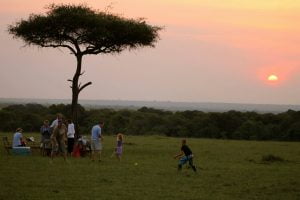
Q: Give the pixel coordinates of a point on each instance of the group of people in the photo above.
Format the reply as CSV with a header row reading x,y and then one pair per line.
x,y
59,137
54,138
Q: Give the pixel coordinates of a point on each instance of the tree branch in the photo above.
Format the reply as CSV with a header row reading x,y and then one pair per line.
x,y
60,45
82,73
85,85
74,42
101,49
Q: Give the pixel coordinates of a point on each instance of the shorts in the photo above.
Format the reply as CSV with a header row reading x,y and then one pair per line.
x,y
185,159
96,145
59,147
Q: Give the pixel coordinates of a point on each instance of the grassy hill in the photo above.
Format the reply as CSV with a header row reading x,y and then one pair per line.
x,y
226,170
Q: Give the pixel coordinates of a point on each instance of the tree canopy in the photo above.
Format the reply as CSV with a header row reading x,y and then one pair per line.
x,y
84,31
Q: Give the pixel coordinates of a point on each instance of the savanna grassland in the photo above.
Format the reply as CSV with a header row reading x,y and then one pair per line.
x,y
227,169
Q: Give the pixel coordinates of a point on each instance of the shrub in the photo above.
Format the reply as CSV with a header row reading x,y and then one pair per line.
x,y
271,158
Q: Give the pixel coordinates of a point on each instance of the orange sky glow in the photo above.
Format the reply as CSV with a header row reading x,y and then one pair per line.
x,y
220,43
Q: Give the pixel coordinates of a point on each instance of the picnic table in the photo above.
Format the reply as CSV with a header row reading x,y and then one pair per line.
x,y
30,146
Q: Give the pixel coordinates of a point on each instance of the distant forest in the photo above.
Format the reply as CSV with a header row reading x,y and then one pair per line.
x,y
149,121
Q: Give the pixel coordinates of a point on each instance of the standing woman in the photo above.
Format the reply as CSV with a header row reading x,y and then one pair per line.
x,y
70,134
58,139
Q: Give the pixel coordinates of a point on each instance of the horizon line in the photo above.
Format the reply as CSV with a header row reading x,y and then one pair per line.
x,y
162,101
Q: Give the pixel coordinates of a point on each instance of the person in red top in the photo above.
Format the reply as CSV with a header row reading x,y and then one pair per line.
x,y
186,155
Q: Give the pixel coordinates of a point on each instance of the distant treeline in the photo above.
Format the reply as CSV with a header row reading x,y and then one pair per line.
x,y
147,121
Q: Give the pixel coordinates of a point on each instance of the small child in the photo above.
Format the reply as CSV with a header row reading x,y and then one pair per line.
x,y
119,148
77,148
185,155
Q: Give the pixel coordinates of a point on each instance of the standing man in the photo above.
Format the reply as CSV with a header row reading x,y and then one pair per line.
x,y
96,140
185,156
71,134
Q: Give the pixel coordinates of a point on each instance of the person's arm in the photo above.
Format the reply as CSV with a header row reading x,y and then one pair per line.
x,y
54,123
22,140
66,131
100,134
178,155
53,136
42,133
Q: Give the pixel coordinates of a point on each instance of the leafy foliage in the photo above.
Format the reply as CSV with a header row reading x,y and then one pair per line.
x,y
84,30
149,121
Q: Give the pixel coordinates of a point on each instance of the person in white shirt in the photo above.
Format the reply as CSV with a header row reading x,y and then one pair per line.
x,y
55,122
71,135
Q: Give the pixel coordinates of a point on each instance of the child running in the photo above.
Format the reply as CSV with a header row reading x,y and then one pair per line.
x,y
119,148
185,155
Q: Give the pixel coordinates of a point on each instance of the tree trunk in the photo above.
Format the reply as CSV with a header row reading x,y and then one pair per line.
x,y
75,94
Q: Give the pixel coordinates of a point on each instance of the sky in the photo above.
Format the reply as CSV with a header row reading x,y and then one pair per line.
x,y
209,51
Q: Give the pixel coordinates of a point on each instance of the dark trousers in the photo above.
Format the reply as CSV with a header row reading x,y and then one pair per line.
x,y
70,145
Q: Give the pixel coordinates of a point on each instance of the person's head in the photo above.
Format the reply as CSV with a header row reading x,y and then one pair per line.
x,y
101,123
59,116
120,136
183,142
69,121
20,130
46,122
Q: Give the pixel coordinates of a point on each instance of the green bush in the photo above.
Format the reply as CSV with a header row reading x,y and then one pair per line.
x,y
149,121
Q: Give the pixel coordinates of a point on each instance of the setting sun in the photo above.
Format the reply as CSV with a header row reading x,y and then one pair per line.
x,y
272,78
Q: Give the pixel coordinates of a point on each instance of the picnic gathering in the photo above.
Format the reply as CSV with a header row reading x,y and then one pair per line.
x,y
59,138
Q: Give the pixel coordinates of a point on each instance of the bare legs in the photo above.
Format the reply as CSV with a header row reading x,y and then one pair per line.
x,y
96,154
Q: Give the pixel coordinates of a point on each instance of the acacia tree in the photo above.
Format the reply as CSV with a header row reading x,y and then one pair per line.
x,y
83,31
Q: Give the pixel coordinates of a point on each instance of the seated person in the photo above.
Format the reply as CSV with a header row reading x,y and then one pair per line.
x,y
81,147
18,139
77,149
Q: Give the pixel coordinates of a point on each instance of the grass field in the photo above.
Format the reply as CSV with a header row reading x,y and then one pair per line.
x,y
226,170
